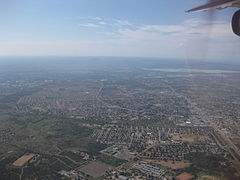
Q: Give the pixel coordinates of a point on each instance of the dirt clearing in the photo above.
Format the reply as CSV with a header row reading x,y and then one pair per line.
x,y
184,176
182,138
206,177
23,160
95,169
171,164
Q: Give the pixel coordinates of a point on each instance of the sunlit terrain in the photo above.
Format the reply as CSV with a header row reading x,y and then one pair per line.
x,y
102,118
119,90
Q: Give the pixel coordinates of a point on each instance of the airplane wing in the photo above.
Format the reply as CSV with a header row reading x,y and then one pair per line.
x,y
216,4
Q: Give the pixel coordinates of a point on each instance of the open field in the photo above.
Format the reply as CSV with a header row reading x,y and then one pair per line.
x,y
172,165
184,176
95,169
206,177
190,139
125,155
23,160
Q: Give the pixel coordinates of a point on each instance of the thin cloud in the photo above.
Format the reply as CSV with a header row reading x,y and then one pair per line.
x,y
97,18
89,25
163,28
118,22
102,23
190,28
189,39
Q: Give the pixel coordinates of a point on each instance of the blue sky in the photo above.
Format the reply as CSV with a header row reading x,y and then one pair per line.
x,y
145,28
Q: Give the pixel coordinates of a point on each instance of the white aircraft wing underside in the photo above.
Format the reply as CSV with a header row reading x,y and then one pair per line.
x,y
216,4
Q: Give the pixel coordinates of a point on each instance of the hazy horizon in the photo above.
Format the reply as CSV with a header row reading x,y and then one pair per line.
x,y
115,28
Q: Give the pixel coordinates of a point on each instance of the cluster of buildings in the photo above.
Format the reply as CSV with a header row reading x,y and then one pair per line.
x,y
159,143
176,151
6,135
150,170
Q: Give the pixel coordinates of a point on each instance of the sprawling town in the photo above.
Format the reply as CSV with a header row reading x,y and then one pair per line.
x,y
123,120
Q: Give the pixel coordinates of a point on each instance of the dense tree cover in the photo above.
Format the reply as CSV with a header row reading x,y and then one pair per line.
x,y
213,164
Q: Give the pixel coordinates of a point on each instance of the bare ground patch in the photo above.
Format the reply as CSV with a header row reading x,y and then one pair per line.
x,y
95,169
23,160
184,176
125,154
190,139
171,164
207,177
